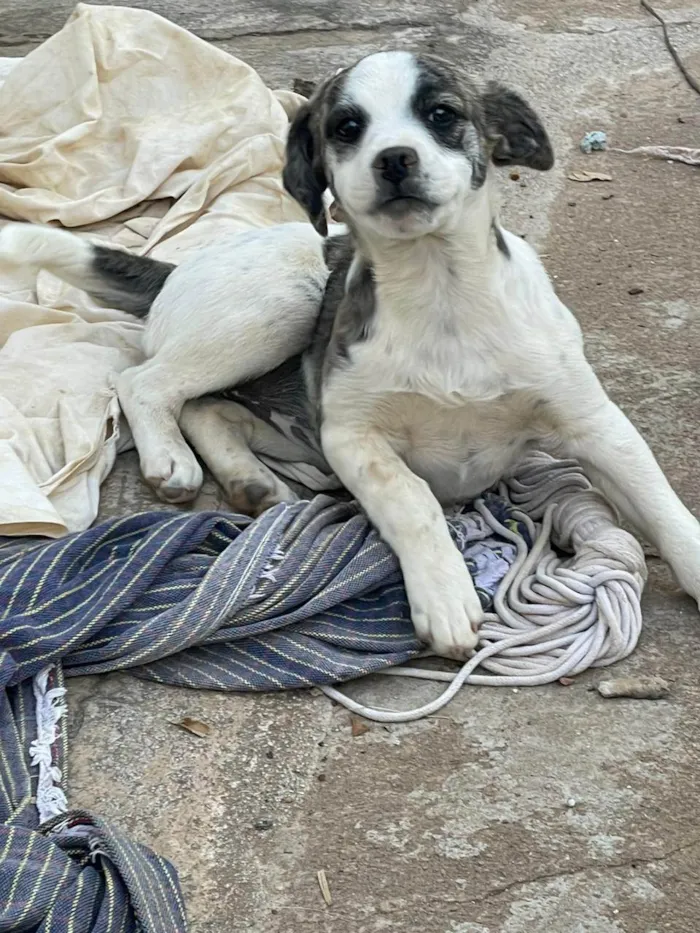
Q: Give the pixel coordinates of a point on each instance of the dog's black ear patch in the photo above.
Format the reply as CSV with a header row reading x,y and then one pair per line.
x,y
303,174
515,130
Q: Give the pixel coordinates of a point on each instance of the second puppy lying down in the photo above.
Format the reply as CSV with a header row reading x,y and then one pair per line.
x,y
441,352
225,317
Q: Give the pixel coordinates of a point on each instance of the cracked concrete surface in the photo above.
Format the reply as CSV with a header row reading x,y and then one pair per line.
x,y
461,823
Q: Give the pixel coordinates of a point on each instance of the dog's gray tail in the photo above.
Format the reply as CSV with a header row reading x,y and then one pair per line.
x,y
112,277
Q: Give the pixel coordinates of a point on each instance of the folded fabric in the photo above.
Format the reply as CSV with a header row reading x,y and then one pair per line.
x,y
306,594
138,133
79,873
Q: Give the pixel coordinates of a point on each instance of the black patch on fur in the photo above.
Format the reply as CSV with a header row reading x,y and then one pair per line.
x,y
304,174
130,283
440,85
337,115
500,240
516,130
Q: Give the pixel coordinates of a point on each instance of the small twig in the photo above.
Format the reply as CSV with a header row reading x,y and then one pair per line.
x,y
669,45
323,885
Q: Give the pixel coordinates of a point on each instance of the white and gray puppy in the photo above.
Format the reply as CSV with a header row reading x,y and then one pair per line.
x,y
441,351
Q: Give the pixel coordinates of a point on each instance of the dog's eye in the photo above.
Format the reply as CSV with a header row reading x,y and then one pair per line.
x,y
441,117
348,130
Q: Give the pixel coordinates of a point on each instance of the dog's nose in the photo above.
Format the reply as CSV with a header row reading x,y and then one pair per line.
x,y
396,164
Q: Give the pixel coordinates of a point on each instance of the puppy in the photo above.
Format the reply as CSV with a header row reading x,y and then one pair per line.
x,y
227,316
441,352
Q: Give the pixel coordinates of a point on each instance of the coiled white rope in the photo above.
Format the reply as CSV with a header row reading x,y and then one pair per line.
x,y
554,617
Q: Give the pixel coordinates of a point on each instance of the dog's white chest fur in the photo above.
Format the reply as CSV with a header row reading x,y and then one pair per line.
x,y
461,450
458,387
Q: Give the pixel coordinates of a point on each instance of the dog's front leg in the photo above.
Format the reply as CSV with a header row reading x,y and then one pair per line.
x,y
445,608
619,462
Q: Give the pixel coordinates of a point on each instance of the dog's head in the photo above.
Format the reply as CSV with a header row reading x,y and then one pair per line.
x,y
404,141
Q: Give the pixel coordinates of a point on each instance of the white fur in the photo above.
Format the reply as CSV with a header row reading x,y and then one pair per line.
x,y
217,322
470,358
382,86
427,414
58,251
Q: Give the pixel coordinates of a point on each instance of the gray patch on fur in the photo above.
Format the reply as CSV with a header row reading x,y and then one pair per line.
x,y
479,170
279,399
338,253
127,282
255,493
500,240
346,317
354,318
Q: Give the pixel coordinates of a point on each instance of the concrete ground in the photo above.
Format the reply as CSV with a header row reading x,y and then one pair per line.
x,y
460,823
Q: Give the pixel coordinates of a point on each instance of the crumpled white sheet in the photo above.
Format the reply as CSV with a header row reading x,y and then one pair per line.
x,y
138,133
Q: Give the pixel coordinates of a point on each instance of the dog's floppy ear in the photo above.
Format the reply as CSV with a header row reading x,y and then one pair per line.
x,y
303,174
515,130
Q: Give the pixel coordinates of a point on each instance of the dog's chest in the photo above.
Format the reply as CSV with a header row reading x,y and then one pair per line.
x,y
461,450
458,374
460,417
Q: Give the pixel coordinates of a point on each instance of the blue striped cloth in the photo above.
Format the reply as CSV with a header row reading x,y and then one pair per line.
x,y
306,594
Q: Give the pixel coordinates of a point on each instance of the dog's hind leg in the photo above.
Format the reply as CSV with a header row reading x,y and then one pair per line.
x,y
227,437
220,320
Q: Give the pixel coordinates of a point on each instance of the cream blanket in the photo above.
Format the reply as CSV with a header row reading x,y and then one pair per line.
x,y
137,132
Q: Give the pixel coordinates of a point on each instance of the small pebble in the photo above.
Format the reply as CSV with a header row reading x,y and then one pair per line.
x,y
263,825
269,753
572,203
606,197
636,688
358,726
571,802
523,184
322,777
635,290
515,176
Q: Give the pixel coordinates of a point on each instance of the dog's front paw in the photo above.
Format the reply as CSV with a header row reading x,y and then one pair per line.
x,y
445,608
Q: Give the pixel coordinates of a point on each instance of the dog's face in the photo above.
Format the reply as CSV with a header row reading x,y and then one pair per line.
x,y
404,141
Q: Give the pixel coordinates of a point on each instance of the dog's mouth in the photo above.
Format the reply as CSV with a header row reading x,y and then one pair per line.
x,y
398,206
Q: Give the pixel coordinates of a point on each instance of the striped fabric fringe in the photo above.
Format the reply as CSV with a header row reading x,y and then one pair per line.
x,y
305,595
